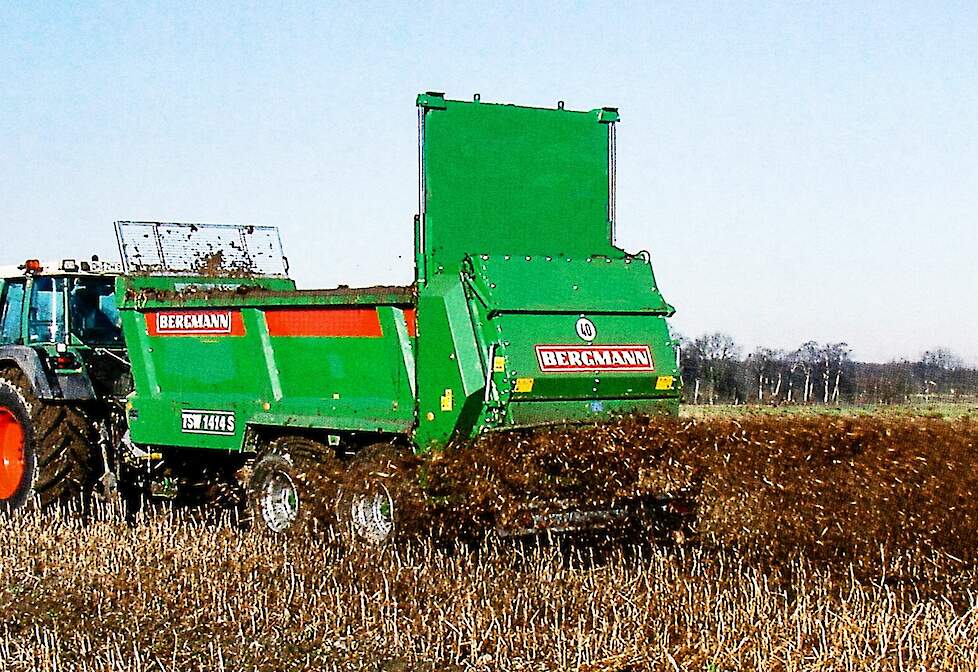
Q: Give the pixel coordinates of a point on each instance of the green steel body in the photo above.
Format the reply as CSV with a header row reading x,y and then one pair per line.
x,y
514,245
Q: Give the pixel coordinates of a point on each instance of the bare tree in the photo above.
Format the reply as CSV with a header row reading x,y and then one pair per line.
x,y
936,368
719,352
715,372
795,363
807,359
941,358
691,365
762,365
834,354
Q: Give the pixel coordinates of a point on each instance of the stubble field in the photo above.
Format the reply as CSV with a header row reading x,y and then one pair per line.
x,y
822,543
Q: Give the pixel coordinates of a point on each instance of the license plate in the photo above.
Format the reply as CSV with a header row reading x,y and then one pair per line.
x,y
220,423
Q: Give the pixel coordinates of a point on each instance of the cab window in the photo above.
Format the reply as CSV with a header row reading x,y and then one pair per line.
x,y
46,315
10,314
94,314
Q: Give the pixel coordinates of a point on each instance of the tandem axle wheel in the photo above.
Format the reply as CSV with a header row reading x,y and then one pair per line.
x,y
292,484
298,481
275,495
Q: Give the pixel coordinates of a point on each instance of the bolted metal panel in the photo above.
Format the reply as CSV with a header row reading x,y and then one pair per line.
x,y
561,284
509,179
517,212
210,359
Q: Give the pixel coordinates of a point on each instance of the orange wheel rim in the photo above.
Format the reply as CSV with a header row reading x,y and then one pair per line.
x,y
11,454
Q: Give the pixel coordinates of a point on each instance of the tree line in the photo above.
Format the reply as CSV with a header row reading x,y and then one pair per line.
x,y
715,371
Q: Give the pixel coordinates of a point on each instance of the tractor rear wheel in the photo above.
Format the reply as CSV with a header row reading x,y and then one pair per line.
x,y
291,484
47,450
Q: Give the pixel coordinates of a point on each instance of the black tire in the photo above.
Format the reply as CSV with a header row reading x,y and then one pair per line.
x,y
59,452
367,503
292,485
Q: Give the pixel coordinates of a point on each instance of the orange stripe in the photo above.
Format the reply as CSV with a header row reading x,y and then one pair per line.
x,y
411,317
312,322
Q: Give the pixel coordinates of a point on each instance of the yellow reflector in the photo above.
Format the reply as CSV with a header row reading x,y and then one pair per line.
x,y
447,400
664,382
499,364
524,384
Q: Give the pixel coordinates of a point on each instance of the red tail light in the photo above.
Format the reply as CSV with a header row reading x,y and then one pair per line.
x,y
65,360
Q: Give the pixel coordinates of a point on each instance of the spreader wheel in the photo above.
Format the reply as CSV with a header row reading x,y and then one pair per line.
x,y
367,503
291,484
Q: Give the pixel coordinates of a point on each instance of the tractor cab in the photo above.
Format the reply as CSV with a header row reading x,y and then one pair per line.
x,y
61,320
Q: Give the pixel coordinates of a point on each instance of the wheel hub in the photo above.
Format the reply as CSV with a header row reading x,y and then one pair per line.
x,y
11,454
372,514
279,501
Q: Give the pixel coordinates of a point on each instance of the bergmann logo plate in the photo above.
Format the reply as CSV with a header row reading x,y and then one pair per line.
x,y
218,423
191,323
583,358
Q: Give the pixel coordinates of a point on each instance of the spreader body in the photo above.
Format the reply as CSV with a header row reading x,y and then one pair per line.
x,y
523,312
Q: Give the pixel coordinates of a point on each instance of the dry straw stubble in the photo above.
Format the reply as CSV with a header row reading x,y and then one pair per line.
x,y
823,544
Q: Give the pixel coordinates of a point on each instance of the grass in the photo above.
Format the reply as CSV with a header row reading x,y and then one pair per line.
x,y
824,543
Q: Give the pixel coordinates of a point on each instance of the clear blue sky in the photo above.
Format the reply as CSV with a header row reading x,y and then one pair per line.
x,y
798,170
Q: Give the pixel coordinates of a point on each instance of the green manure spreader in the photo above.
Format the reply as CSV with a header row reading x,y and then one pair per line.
x,y
197,361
